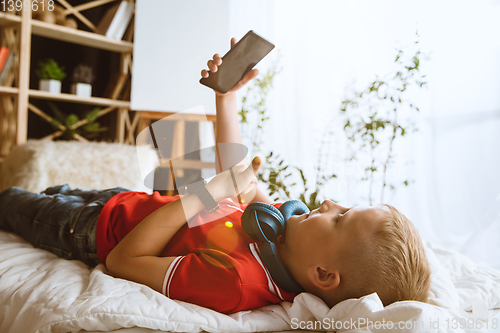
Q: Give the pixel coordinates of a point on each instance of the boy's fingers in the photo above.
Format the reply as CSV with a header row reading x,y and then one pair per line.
x,y
251,75
217,59
248,76
250,171
246,176
212,66
256,163
249,193
233,42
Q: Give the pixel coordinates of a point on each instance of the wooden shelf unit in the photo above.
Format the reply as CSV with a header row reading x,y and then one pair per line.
x,y
65,34
9,90
7,20
80,37
76,99
16,33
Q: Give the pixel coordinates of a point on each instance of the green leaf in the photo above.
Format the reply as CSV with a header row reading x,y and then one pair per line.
x,y
313,196
49,69
55,122
347,124
57,113
91,115
71,120
91,127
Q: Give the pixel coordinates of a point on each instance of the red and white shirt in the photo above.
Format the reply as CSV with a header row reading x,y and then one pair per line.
x,y
218,265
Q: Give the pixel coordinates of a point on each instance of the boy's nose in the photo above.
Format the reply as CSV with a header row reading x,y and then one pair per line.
x,y
337,207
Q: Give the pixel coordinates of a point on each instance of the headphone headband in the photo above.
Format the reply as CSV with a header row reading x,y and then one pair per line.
x,y
265,223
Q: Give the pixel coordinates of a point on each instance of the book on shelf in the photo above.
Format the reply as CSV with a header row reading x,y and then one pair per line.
x,y
123,20
4,54
9,63
103,25
116,20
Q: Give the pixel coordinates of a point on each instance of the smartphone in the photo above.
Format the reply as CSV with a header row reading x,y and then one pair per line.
x,y
240,59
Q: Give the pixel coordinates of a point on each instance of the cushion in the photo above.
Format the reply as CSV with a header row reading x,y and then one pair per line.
x,y
39,164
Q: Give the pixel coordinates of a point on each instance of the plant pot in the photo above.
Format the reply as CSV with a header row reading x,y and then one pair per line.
x,y
81,89
52,86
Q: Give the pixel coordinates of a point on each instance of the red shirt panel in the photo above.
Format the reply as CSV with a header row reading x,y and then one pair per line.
x,y
218,265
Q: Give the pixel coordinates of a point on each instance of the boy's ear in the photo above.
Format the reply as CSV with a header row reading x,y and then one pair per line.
x,y
323,278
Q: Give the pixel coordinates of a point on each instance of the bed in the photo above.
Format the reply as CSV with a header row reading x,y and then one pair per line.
x,y
40,292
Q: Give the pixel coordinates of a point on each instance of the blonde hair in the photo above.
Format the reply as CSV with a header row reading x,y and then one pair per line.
x,y
391,261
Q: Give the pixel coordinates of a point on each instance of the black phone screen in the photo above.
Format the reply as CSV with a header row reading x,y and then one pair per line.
x,y
240,59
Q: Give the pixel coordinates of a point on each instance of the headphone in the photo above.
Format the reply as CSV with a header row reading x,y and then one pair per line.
x,y
265,223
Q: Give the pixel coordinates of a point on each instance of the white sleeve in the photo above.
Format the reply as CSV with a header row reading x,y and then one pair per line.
x,y
169,275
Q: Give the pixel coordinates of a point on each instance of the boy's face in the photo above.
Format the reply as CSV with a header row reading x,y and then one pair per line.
x,y
319,238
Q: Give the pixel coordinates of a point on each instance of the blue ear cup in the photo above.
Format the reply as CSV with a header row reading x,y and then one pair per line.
x,y
292,207
271,222
265,223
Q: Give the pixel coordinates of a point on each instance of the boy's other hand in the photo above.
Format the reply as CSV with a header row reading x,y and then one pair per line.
x,y
240,180
214,64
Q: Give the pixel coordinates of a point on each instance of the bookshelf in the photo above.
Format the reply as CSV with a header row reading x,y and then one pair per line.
x,y
16,97
85,38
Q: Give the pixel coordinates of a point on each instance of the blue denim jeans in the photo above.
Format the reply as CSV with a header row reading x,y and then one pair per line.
x,y
60,220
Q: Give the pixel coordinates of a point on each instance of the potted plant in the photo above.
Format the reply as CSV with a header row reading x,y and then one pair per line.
x,y
82,81
76,127
50,75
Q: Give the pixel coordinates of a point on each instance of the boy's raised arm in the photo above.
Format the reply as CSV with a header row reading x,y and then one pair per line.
x,y
228,127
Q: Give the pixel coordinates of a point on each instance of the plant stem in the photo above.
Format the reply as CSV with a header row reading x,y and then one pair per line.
x,y
371,177
389,155
321,147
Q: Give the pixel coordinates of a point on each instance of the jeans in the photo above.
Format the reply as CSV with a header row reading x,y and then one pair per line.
x,y
60,220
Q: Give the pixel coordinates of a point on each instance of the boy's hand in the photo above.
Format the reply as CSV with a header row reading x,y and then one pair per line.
x,y
217,61
238,180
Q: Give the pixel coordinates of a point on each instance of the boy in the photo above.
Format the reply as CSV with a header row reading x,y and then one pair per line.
x,y
333,252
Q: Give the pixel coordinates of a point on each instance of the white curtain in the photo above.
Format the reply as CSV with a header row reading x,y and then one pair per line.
x,y
330,47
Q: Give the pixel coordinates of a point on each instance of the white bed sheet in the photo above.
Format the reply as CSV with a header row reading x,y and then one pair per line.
x,y
42,293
